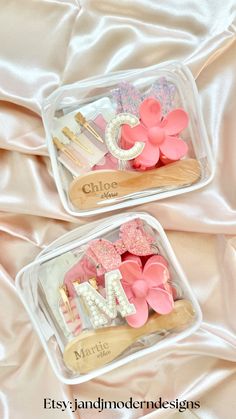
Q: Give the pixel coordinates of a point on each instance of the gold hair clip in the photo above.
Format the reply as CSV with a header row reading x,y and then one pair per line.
x,y
67,152
82,121
66,301
82,307
73,137
93,282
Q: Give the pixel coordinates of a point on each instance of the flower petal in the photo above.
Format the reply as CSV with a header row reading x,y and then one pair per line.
x,y
140,317
174,148
155,274
168,288
129,256
176,121
130,271
128,290
149,156
157,259
150,112
129,135
160,300
164,160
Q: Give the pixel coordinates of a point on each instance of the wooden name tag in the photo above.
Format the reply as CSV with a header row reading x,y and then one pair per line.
x,y
93,349
100,187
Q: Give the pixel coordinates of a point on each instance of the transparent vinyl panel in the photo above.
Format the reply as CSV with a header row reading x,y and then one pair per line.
x,y
100,298
127,138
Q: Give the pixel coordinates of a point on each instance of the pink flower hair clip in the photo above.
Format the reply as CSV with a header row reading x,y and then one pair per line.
x,y
146,287
159,133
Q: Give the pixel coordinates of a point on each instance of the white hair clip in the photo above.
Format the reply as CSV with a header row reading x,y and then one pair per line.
x,y
111,134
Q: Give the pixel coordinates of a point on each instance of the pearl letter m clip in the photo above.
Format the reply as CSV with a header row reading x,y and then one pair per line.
x,y
102,309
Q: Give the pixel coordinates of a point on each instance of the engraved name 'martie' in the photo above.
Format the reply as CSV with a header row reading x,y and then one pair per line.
x,y
100,350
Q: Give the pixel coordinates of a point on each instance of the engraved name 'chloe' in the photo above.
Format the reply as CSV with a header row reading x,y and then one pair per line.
x,y
100,350
98,187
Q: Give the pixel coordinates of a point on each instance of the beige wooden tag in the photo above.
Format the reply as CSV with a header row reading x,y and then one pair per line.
x,y
93,349
100,187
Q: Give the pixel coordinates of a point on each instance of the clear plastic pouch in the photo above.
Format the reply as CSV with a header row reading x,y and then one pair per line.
x,y
139,302
87,135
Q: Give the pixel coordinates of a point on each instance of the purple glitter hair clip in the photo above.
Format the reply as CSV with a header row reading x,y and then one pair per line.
x,y
128,98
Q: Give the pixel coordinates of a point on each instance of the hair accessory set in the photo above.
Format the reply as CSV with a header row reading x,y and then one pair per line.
x,y
102,297
127,138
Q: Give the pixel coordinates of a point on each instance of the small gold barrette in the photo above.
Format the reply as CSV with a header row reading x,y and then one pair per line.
x,y
82,121
73,137
93,282
66,301
68,153
84,307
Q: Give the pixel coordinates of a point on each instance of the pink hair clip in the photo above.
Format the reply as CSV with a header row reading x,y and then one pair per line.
x,y
82,270
68,310
106,163
132,238
146,287
160,135
103,256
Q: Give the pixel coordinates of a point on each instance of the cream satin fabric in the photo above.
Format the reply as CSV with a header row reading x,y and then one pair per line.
x,y
46,43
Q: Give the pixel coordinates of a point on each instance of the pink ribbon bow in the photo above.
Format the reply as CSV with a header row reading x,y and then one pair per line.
x,y
160,135
146,287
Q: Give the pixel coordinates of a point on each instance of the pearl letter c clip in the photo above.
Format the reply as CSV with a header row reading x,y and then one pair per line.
x,y
111,134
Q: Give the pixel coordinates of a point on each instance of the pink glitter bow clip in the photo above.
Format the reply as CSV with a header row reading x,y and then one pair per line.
x,y
159,133
146,287
132,238
103,256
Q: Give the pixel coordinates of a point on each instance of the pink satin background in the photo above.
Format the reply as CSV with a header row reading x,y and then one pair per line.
x,y
48,43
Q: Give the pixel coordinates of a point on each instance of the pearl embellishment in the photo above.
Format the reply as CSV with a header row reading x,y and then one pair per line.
x,y
111,135
102,309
